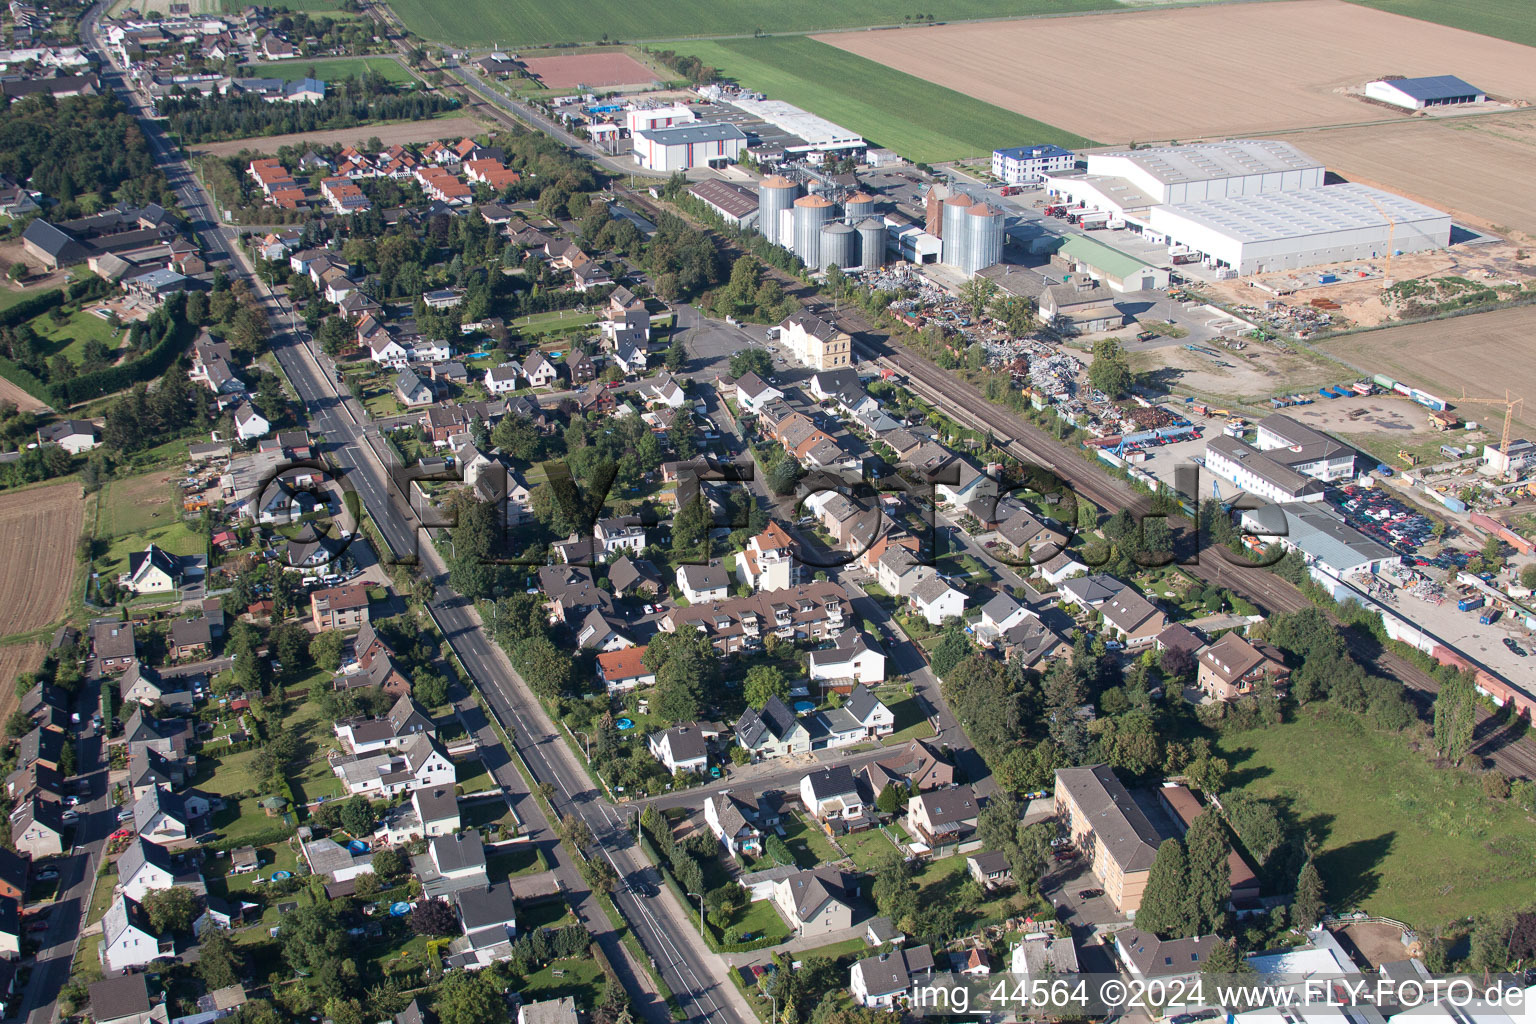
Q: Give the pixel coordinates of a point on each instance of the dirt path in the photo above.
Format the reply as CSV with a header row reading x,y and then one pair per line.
x,y
401,133
26,403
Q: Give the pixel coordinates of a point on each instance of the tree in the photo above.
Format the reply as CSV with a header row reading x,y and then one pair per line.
x,y
1110,373
469,997
68,761
1225,959
357,816
170,910
953,647
891,799
1162,902
751,360
894,892
575,831
218,962
18,725
1307,907
1455,717
389,863
762,683
1210,880
325,649
977,294
434,917
543,666
1528,576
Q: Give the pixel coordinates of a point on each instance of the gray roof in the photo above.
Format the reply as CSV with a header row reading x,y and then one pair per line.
x,y
733,199
1128,836
126,995
627,572
155,800
1153,956
1277,216
1001,606
812,889
892,972
952,805
827,783
439,803
122,914
689,134
930,590
141,853
1435,87
459,851
1320,531
1093,590
774,719
188,632
862,702
1127,610
703,577
989,862
687,743
549,1011
484,908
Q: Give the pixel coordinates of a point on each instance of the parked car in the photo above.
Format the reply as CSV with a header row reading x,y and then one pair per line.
x,y
1088,894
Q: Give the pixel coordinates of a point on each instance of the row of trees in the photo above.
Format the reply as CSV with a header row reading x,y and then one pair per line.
x,y
347,104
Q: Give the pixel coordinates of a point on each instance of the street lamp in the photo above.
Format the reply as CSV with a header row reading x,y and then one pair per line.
x,y
701,913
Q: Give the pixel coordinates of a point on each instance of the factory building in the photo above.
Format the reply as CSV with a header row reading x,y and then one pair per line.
x,y
734,204
1118,270
1521,457
644,119
839,247
1257,233
971,234
1257,473
687,146
1419,93
858,208
1307,451
776,196
1022,165
872,243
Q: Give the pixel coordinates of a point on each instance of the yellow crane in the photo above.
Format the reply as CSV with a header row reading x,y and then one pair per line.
x,y
1509,402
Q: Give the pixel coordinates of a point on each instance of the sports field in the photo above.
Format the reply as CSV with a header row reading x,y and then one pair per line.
x,y
508,24
1477,168
1484,353
920,120
1144,93
1504,19
331,70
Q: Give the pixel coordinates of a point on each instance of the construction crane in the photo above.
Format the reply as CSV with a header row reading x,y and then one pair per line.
x,y
1386,277
1509,401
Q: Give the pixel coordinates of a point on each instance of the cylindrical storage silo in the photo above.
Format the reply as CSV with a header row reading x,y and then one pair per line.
x,y
858,208
956,228
812,213
839,246
872,243
984,239
775,194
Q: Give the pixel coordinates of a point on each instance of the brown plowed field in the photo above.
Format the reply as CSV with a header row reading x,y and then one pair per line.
x,y
1237,69
14,660
1484,353
1478,168
39,528
400,133
589,69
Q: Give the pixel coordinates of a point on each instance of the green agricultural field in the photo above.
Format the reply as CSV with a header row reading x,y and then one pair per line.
x,y
1502,19
330,8
921,121
512,23
1398,836
331,70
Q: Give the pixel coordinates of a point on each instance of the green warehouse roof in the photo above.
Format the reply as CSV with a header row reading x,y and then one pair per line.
x,y
1104,258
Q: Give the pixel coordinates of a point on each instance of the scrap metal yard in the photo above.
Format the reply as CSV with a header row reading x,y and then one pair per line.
x,y
1329,46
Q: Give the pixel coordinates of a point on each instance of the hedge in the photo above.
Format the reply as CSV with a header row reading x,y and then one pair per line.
x,y
178,335
26,309
24,378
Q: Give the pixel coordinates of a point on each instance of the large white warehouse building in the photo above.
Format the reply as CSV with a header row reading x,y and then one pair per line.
x,y
690,145
1255,234
1129,182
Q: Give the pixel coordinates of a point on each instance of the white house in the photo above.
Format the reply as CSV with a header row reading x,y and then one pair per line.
x,y
250,424
870,712
74,436
540,372
619,535
144,867
829,793
419,763
880,981
1060,567
165,817
663,391
386,350
767,563
630,359
680,748
502,380
701,583
153,571
936,600
127,940
814,902
624,669
437,809
854,657
737,823
753,394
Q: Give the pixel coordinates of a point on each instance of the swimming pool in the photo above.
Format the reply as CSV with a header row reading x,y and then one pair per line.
x,y
625,723
802,706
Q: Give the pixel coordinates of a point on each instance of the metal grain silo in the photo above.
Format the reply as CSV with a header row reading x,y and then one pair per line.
x,y
872,243
840,246
858,208
984,239
775,195
812,213
956,228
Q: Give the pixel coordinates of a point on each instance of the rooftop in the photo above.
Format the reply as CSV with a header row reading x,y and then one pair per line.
x,y
1434,87
1207,161
1274,216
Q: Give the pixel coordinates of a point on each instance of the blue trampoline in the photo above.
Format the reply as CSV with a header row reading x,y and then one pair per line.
x,y
357,846
399,909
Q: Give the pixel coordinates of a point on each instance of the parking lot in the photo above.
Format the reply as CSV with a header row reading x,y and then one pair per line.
x,y
1382,518
1461,630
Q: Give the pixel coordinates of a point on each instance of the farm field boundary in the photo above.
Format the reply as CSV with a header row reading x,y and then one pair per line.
x,y
1331,45
400,132
920,120
39,530
1502,19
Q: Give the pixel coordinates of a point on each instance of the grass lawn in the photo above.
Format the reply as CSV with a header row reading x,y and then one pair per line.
x,y
542,323
807,842
1397,834
518,860
472,776
10,294
482,813
315,779
911,724
920,120
101,896
222,776
549,914
853,948
514,22
333,70
70,335
87,963
869,849
173,536
581,979
1504,19
137,504
759,920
